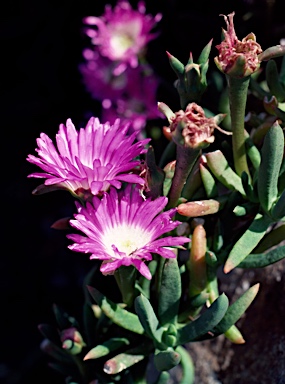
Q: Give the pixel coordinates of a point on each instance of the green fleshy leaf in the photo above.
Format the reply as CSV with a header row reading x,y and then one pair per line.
x,y
195,303
252,152
220,168
126,277
248,241
209,182
106,347
204,56
50,333
239,210
169,293
257,89
163,378
282,72
193,182
176,65
274,237
260,260
148,318
203,78
272,78
248,188
165,360
218,240
169,170
272,52
169,336
64,320
168,154
127,359
194,87
245,209
205,322
55,352
145,284
278,209
281,178
187,364
271,158
211,258
235,311
114,312
42,189
90,322
234,335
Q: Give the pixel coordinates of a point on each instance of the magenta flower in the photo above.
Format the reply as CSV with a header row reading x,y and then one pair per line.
x,y
87,162
123,228
122,33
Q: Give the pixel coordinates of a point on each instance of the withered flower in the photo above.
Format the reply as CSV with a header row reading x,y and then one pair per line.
x,y
191,128
237,58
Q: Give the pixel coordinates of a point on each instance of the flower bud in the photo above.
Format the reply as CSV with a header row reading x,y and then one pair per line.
x,y
72,341
197,261
198,208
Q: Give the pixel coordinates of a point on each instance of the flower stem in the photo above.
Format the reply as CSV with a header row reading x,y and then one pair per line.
x,y
185,160
237,97
125,278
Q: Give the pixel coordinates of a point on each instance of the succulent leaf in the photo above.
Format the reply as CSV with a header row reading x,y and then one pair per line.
x,y
118,315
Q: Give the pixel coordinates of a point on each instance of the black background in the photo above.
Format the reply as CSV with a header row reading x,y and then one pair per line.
x,y
41,48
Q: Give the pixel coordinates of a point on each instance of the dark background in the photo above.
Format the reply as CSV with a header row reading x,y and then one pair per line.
x,y
41,48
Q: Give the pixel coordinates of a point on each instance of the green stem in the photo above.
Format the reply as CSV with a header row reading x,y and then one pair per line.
x,y
185,160
187,366
125,278
237,97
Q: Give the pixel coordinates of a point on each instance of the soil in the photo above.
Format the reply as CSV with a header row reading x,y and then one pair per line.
x,y
261,359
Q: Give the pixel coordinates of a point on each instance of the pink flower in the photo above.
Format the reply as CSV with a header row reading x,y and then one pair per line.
x,y
87,162
123,228
122,33
237,58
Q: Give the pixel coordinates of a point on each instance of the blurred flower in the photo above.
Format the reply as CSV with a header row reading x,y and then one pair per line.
x,y
87,162
99,79
122,33
237,58
191,128
123,228
138,103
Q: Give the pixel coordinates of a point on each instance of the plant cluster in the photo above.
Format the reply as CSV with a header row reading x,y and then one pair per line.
x,y
158,231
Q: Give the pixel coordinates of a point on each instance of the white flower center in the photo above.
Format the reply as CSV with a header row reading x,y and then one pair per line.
x,y
126,239
124,36
120,43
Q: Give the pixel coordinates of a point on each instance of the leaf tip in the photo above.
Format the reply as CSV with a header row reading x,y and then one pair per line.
x,y
229,266
240,340
255,288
